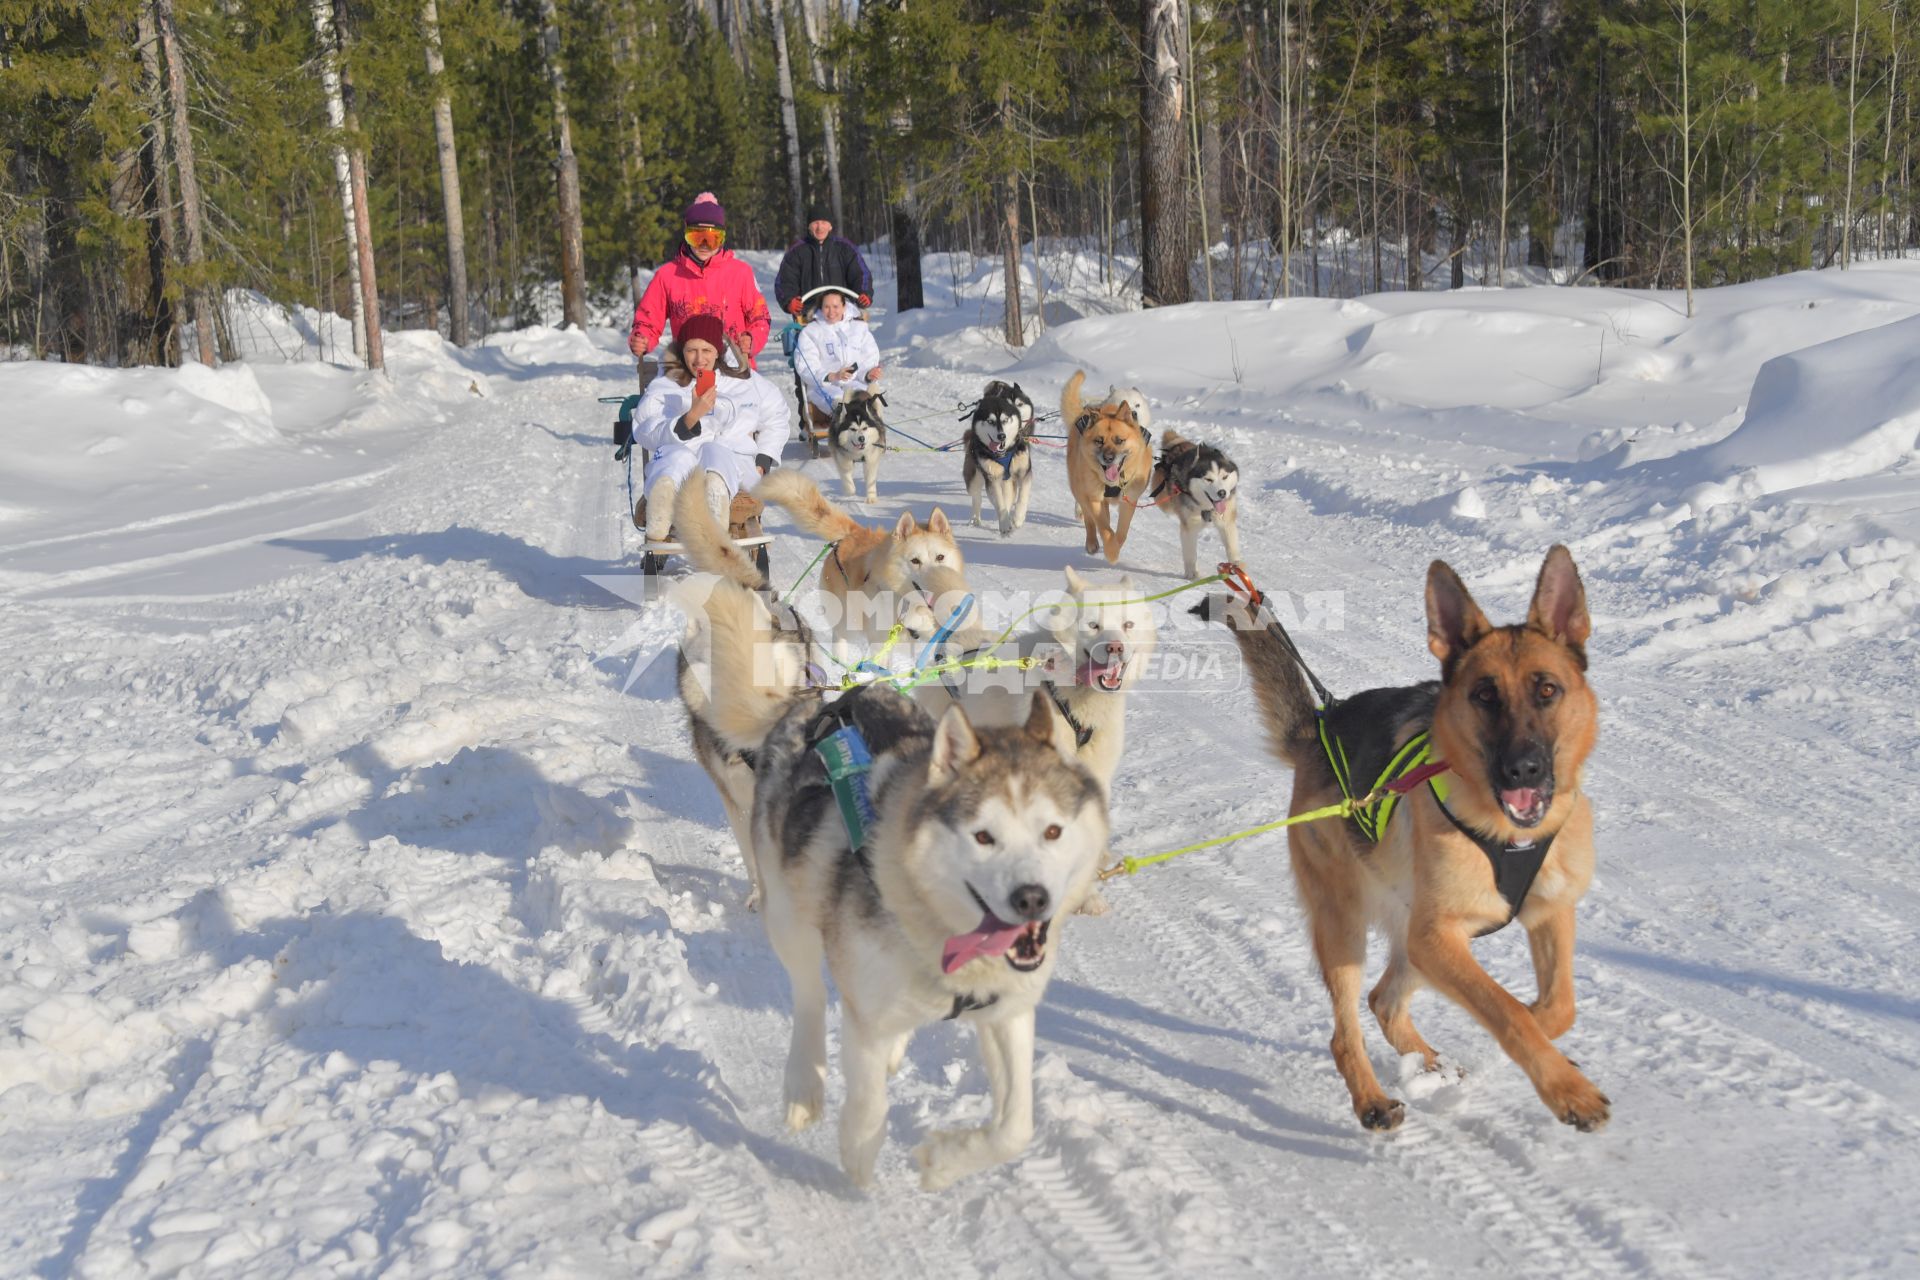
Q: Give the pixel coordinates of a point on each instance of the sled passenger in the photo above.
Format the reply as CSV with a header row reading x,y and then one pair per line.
x,y
837,354
702,278
708,413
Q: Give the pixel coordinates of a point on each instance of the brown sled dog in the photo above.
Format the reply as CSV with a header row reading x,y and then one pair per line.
x,y
1514,719
1109,460
912,573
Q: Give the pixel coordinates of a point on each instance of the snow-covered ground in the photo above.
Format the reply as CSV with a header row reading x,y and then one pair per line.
x,y
359,915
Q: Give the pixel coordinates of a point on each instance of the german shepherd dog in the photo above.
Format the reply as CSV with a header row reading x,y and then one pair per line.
x,y
1198,485
912,574
999,455
774,646
945,906
858,435
1109,461
1514,720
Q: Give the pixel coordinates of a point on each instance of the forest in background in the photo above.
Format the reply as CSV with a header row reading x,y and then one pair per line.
x,y
442,163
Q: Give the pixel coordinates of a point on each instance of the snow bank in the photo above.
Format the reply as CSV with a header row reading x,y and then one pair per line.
x,y
1837,411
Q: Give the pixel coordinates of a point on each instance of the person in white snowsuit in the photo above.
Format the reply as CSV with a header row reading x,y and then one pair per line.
x,y
837,354
732,433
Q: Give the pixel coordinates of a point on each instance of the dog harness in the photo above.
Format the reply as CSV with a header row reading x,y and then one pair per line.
x,y
1515,864
843,752
1082,733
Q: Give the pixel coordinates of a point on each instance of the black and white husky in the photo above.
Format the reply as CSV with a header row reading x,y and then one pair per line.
x,y
946,902
999,454
1198,485
858,435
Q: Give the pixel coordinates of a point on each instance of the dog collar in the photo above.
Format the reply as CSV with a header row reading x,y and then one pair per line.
x,y
843,752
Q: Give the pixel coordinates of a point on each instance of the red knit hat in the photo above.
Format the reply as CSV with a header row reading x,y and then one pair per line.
x,y
705,211
702,328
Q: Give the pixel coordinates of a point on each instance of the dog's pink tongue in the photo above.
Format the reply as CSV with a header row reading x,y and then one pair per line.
x,y
1113,473
992,938
1220,507
1520,799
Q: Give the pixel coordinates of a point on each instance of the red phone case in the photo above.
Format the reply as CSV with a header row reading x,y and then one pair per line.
x,y
703,383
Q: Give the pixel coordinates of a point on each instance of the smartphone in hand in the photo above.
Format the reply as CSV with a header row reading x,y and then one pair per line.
x,y
703,382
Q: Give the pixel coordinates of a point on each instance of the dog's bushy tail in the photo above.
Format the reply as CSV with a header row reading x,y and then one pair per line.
x,y
1286,704
708,548
809,508
1172,441
752,672
1070,405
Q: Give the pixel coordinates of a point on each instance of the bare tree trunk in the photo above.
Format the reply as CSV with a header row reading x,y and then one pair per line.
x,y
1506,132
789,121
1853,103
909,294
1010,211
169,318
456,220
342,167
566,165
1164,277
1191,69
190,209
1686,145
829,112
362,219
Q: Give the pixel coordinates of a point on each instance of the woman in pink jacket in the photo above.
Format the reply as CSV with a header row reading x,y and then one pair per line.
x,y
703,278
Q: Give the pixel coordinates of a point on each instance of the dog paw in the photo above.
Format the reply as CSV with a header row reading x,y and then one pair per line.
x,y
1578,1102
872,496
806,1100
1381,1115
753,900
1094,904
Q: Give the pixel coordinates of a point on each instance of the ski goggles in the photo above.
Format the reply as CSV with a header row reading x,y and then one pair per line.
x,y
705,237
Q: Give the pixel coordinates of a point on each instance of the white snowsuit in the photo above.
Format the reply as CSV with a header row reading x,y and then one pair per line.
x,y
749,417
828,348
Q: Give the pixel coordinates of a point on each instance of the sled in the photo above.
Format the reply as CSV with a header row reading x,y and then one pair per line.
x,y
743,527
743,521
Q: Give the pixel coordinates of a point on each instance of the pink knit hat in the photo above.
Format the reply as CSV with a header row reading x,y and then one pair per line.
x,y
705,211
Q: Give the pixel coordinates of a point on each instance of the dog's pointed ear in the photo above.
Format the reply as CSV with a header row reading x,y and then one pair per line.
x,y
1454,622
1047,727
1126,583
937,523
955,746
1076,584
1559,608
1125,410
904,527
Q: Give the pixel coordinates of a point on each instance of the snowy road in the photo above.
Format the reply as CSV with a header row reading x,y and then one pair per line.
x,y
354,920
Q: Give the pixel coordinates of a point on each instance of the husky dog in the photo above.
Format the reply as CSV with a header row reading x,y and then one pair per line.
x,y
912,574
943,906
1089,652
1500,831
1197,484
999,454
774,643
858,435
1109,461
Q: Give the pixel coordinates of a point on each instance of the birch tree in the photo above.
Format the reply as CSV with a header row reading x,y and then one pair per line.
x,y
342,167
566,170
789,121
455,218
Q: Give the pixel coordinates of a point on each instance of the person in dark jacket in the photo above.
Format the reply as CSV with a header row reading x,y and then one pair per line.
x,y
821,258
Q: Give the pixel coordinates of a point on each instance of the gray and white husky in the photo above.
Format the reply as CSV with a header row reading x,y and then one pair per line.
x,y
999,454
858,435
949,905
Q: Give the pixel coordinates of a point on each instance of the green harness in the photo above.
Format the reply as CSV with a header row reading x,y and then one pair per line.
x,y
1515,865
